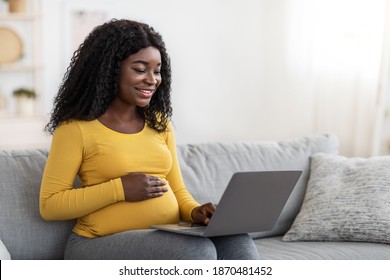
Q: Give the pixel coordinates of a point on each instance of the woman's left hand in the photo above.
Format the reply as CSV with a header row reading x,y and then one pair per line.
x,y
203,213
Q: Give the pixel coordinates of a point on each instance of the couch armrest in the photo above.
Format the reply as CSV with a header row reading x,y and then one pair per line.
x,y
4,254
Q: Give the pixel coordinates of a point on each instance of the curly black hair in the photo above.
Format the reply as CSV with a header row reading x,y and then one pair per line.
x,y
91,81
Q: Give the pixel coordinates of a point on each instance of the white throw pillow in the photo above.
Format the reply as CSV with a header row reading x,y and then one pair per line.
x,y
347,199
4,254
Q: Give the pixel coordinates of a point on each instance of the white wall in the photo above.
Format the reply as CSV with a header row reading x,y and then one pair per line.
x,y
254,69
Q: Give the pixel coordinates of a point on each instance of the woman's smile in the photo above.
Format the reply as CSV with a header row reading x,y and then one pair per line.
x,y
145,93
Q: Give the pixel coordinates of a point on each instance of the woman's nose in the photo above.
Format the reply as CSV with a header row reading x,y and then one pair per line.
x,y
151,79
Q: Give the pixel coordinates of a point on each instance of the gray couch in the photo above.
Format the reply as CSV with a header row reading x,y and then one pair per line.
x,y
206,170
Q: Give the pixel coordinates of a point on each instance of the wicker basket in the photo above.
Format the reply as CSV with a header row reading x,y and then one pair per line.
x,y
17,6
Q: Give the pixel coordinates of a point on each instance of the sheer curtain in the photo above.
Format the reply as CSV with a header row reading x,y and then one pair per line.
x,y
336,53
381,141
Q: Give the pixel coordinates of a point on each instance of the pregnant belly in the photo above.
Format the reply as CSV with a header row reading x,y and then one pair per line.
x,y
122,216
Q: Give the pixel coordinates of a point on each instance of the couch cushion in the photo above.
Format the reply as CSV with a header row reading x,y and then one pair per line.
x,y
273,248
207,168
25,233
347,200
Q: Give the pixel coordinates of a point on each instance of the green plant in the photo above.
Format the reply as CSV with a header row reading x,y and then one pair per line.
x,y
29,93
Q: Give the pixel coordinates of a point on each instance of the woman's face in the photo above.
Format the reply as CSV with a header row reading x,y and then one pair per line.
x,y
140,77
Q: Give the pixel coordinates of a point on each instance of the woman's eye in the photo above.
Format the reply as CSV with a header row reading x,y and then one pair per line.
x,y
139,70
143,71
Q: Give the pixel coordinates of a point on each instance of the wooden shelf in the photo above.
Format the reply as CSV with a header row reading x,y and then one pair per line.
x,y
19,132
19,16
19,67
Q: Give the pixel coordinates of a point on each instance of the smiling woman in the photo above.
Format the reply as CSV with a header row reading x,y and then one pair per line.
x,y
139,78
102,63
140,72
111,127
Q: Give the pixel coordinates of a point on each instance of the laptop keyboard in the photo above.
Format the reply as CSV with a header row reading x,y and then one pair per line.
x,y
194,229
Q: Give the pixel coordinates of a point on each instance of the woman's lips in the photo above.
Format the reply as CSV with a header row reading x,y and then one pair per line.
x,y
145,93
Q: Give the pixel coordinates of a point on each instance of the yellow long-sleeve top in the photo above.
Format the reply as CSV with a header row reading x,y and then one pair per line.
x,y
100,156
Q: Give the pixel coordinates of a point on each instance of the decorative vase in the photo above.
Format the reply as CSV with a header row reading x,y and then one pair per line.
x,y
3,105
17,6
24,106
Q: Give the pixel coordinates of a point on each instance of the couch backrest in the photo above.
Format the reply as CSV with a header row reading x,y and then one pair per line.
x,y
22,230
207,168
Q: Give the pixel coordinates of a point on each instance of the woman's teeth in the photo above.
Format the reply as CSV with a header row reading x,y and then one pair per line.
x,y
146,90
146,93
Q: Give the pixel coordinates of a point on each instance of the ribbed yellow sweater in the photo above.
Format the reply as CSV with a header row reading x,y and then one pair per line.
x,y
100,156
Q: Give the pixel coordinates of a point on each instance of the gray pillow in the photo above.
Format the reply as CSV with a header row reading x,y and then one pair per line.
x,y
347,199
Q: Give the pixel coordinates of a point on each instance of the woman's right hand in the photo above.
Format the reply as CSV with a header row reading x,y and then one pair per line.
x,y
139,186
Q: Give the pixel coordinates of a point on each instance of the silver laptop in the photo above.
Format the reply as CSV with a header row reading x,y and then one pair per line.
x,y
252,202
